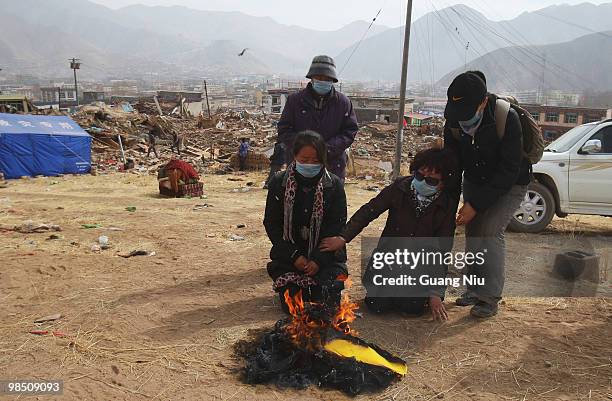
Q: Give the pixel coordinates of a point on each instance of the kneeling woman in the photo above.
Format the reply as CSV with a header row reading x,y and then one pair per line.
x,y
419,208
305,204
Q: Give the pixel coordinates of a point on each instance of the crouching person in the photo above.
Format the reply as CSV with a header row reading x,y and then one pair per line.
x,y
420,208
306,203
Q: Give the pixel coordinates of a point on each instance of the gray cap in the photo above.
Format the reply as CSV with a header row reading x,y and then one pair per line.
x,y
323,65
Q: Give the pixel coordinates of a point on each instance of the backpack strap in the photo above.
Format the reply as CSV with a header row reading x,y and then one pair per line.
x,y
502,108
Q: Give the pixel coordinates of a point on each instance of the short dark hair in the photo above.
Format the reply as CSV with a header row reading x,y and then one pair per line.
x,y
443,161
311,138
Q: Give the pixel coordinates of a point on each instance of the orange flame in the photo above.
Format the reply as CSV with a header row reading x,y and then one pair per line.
x,y
306,330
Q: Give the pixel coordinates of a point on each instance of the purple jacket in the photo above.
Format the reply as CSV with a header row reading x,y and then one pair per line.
x,y
332,117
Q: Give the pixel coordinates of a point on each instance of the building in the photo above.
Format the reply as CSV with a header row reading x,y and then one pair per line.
x,y
379,108
93,96
15,102
557,120
275,99
418,119
64,94
175,96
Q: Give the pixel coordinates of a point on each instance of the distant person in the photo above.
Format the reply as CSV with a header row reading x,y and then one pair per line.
x,y
321,108
419,206
176,143
243,151
153,134
495,180
276,161
305,204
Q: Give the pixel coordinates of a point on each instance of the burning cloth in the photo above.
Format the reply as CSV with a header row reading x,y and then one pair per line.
x,y
316,347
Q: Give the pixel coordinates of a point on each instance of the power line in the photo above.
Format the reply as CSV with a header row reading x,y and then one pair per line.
x,y
360,40
573,24
529,53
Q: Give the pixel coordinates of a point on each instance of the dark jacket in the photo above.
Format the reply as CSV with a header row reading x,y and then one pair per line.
x,y
438,220
284,253
332,116
493,164
278,156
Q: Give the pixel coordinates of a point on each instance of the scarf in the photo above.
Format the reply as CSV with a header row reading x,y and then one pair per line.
x,y
317,209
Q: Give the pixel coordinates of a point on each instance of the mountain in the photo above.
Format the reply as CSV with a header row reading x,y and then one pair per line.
x,y
578,65
154,39
438,40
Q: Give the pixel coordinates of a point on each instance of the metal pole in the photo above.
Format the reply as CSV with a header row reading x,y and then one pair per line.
x,y
402,106
76,89
121,147
207,104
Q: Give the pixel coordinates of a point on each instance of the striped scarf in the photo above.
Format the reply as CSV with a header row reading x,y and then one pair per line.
x,y
317,210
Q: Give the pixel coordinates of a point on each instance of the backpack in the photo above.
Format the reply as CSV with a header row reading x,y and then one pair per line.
x,y
533,141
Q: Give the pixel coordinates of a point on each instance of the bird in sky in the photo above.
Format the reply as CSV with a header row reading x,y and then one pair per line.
x,y
242,52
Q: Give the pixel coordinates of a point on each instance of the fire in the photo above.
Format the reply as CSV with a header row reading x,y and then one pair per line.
x,y
311,320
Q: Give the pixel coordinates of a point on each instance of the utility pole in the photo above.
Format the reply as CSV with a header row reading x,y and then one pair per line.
x,y
75,64
207,104
402,106
467,46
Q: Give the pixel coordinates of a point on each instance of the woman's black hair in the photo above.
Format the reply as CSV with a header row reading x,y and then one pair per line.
x,y
311,138
441,161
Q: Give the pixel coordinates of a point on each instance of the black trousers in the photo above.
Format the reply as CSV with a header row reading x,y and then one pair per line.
x,y
411,306
242,161
328,294
274,168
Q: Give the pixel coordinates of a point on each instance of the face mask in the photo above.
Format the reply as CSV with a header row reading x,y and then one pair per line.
x,y
470,126
322,87
307,170
423,188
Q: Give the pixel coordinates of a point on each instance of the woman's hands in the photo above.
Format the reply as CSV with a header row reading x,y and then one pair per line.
x,y
309,267
332,244
300,263
438,311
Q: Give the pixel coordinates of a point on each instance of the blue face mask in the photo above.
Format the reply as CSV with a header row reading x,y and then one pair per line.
x,y
308,170
423,188
322,87
470,126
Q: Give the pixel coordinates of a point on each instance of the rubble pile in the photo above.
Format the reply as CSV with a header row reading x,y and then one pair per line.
x,y
210,144
374,148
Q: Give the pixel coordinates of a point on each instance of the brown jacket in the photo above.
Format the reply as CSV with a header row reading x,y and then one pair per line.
x,y
437,221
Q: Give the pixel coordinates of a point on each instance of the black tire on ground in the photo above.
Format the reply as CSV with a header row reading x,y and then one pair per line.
x,y
536,211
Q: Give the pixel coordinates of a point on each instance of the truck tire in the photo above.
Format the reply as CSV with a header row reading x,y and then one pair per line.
x,y
536,210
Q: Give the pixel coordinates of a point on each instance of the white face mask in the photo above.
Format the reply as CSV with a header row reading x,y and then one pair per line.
x,y
471,126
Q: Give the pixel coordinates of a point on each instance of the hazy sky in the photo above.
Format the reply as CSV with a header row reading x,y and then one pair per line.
x,y
332,14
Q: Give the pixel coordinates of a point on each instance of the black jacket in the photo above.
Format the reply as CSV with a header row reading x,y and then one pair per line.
x,y
284,253
494,165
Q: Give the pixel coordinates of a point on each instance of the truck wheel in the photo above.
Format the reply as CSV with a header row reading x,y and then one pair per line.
x,y
536,210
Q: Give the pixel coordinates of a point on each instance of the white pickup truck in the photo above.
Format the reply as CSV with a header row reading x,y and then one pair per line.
x,y
573,177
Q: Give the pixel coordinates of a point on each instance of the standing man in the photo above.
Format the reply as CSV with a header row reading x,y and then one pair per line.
x,y
243,152
495,178
153,134
321,108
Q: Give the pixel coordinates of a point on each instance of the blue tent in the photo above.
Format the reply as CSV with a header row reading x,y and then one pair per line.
x,y
42,145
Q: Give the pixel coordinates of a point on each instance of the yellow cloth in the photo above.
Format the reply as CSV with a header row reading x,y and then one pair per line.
x,y
364,354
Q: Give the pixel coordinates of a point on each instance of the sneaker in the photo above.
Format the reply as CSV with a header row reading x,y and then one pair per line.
x,y
466,300
484,310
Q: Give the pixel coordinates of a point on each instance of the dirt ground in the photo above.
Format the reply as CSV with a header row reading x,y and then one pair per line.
x,y
163,326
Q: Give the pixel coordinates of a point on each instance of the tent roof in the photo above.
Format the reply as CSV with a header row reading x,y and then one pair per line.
x,y
38,124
